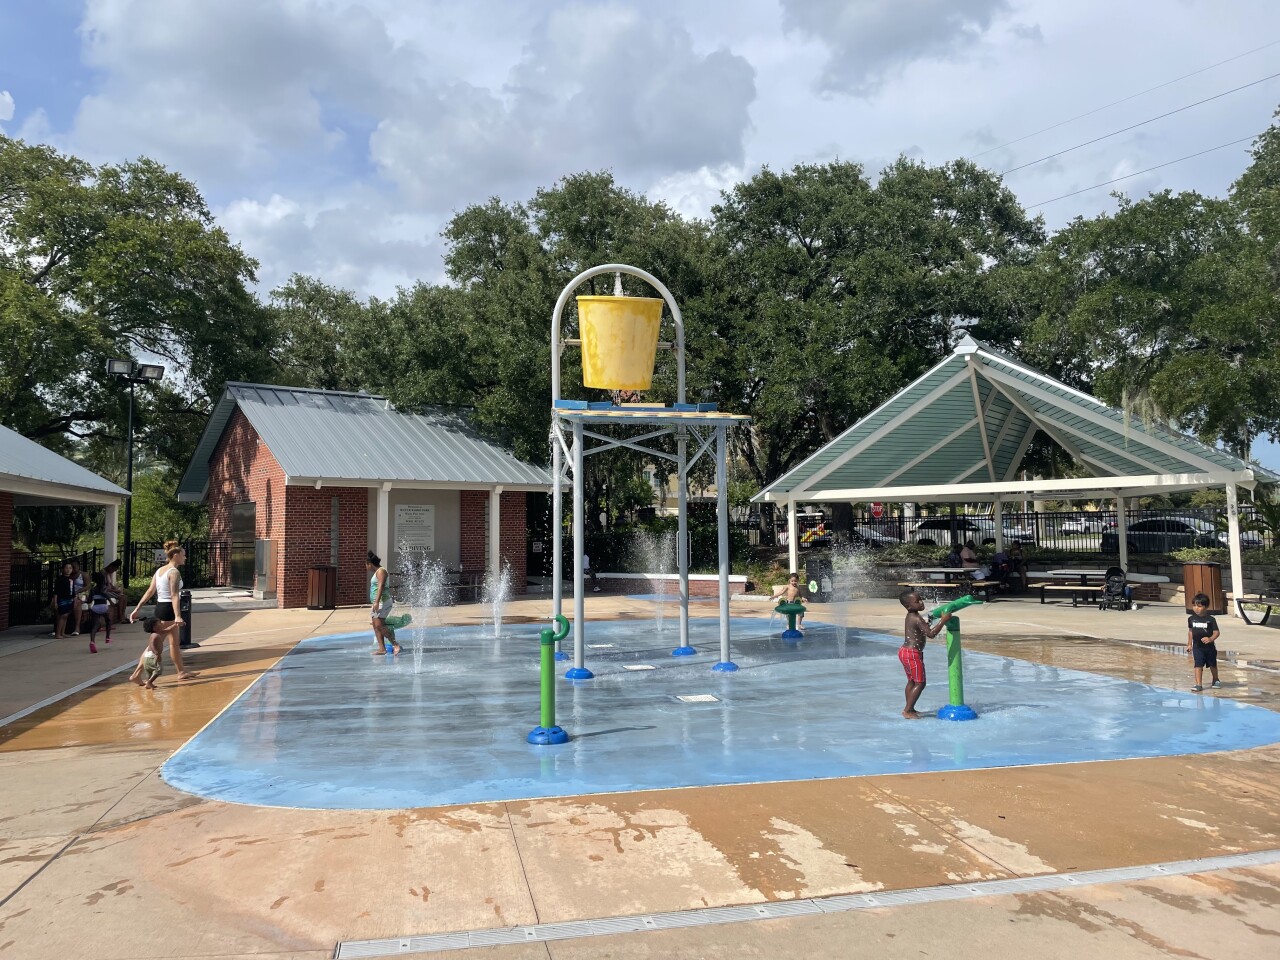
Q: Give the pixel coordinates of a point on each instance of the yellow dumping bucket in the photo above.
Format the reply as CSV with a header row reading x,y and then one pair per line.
x,y
619,341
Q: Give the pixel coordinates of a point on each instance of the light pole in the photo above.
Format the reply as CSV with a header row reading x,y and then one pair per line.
x,y
133,373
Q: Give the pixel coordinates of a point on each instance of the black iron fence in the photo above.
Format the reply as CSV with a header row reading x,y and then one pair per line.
x,y
31,575
1085,532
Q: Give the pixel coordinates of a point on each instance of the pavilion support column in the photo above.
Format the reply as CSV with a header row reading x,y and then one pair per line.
x,y
1233,532
1122,532
997,511
110,533
793,537
382,528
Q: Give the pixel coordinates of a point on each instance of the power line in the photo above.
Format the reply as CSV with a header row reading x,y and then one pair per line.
x,y
1127,176
1113,103
1134,126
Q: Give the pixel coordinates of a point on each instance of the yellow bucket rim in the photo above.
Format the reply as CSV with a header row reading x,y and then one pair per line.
x,y
596,298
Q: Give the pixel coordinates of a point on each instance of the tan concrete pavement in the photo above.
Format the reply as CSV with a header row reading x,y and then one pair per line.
x,y
108,861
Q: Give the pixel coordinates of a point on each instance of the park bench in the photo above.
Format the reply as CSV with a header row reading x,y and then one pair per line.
x,y
1261,600
1078,591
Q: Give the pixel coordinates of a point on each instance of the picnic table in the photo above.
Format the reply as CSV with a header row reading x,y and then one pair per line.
x,y
959,579
1084,584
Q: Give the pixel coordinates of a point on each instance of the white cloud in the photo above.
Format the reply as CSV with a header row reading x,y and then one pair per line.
x,y
871,41
6,105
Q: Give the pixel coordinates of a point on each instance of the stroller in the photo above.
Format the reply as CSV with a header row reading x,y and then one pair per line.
x,y
1115,591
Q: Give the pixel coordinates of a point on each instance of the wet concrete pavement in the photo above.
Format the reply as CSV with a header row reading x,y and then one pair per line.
x,y
99,858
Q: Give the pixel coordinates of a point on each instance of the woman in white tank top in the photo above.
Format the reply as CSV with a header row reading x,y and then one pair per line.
x,y
166,585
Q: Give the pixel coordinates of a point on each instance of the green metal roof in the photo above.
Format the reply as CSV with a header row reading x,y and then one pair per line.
x,y
968,421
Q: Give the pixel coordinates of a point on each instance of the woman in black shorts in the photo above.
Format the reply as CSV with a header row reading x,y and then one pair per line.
x,y
166,587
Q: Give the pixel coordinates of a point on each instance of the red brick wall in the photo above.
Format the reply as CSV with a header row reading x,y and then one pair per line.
x,y
307,541
6,555
513,535
242,469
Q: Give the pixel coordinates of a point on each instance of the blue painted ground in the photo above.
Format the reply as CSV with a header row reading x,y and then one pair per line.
x,y
332,727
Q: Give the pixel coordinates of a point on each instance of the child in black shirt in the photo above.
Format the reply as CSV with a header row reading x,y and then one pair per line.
x,y
1202,636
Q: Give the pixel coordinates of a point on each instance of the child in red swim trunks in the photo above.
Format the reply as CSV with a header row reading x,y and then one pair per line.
x,y
911,654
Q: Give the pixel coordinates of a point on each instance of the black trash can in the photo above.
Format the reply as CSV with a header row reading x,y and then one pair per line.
x,y
818,570
184,608
322,587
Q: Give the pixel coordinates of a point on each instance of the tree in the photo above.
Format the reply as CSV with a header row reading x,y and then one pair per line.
x,y
313,324
839,292
115,261
1160,308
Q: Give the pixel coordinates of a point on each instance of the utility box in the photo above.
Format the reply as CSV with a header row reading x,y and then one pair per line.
x,y
264,570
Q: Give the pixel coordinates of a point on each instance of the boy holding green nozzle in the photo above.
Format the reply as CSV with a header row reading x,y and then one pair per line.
x,y
917,632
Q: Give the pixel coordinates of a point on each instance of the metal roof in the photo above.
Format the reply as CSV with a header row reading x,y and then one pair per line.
x,y
357,439
38,475
961,431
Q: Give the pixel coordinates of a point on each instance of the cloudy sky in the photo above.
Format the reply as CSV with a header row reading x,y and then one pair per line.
x,y
335,137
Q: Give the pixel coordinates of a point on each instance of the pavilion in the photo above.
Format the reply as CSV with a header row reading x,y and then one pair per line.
x,y
959,434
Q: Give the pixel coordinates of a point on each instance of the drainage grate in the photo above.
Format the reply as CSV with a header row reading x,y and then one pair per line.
x,y
545,932
638,666
699,698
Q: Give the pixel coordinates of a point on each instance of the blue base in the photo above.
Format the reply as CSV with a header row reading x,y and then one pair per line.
x,y
792,635
725,666
547,735
683,652
953,712
578,673
561,656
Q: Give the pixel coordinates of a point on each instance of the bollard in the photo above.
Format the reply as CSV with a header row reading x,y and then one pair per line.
x,y
956,708
184,607
547,732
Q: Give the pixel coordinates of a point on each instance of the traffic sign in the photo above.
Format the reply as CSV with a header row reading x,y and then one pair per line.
x,y
877,510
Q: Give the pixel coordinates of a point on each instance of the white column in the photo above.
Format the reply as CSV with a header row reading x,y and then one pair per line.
x,y
1233,532
793,537
111,533
495,532
997,511
1122,532
722,524
382,530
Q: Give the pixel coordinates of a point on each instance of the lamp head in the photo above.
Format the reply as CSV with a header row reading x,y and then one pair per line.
x,y
120,368
150,371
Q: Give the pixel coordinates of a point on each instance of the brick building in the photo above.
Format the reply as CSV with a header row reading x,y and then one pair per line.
x,y
32,475
295,478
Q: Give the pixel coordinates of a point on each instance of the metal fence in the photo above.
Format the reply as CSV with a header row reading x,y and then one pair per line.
x,y
31,575
1084,532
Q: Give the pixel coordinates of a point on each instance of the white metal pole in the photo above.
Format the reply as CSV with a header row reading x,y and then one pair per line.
x,y
722,524
1122,532
557,521
793,537
579,548
682,534
1233,531
998,513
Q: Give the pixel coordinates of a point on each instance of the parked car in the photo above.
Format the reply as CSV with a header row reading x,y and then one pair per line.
x,y
936,531
1084,523
1163,535
1249,539
869,536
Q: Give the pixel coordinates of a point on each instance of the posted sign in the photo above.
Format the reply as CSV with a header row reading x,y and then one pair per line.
x,y
416,527
877,510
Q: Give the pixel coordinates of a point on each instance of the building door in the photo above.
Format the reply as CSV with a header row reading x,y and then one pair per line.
x,y
243,527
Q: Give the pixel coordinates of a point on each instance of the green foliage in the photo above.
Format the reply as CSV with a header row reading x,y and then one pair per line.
x,y
1266,517
116,261
1201,555
912,553
157,514
61,528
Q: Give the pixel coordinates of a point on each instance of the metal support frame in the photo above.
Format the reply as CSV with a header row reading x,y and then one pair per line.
x,y
1233,535
567,459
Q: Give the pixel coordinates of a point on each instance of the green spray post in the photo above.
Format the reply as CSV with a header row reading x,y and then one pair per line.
x,y
955,709
547,732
